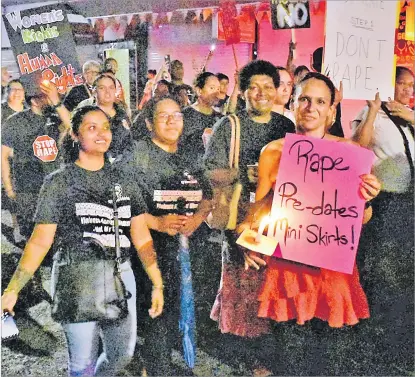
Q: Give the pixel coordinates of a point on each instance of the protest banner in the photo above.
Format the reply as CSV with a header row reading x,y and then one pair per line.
x,y
246,24
42,41
404,35
359,46
229,21
290,14
317,210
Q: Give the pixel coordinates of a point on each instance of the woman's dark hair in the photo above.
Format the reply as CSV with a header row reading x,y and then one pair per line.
x,y
321,77
317,59
102,76
222,76
167,83
106,66
300,69
70,150
151,106
201,79
399,71
281,68
258,67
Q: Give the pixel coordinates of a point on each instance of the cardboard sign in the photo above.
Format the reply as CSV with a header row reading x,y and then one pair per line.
x,y
359,47
290,14
45,149
230,22
317,210
44,47
246,23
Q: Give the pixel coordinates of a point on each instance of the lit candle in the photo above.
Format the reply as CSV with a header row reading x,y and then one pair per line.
x,y
264,222
212,47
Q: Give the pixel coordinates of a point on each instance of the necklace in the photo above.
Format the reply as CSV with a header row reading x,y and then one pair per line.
x,y
323,135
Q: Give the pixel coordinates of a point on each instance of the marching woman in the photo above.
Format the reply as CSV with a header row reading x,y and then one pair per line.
x,y
288,291
77,214
387,243
314,111
104,90
177,195
284,92
15,103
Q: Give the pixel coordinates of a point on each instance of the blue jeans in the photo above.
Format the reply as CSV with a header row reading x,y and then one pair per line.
x,y
118,339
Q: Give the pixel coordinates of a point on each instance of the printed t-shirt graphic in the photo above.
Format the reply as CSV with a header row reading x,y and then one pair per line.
x,y
80,202
30,136
45,149
181,188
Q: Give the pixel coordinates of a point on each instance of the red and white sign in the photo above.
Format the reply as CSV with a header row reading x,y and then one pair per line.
x,y
45,149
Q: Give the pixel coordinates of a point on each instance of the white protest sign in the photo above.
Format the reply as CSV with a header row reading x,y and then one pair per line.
x,y
359,47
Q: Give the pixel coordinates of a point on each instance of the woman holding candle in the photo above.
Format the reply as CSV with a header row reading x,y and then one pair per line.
x,y
312,292
290,291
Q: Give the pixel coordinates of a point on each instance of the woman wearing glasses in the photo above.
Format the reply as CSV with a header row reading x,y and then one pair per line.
x,y
177,196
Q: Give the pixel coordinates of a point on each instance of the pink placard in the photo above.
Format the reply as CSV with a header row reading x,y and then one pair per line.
x,y
317,203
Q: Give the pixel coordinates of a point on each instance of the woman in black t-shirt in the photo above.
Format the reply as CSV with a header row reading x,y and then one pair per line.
x,y
15,99
200,117
170,178
104,89
75,208
15,103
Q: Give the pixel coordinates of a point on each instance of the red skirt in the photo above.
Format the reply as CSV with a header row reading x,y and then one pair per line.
x,y
296,291
236,305
283,291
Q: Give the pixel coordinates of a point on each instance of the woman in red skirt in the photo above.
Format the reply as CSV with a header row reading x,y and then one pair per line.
x,y
285,290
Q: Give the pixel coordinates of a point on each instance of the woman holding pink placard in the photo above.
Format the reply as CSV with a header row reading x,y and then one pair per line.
x,y
292,291
296,291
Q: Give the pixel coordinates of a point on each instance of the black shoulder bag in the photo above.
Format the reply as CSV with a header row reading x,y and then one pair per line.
x,y
399,123
89,288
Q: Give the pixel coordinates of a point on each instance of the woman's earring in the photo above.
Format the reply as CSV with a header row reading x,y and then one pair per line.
x,y
75,143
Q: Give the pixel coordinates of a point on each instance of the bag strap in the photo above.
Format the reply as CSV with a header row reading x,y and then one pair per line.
x,y
237,141
235,146
116,226
405,141
118,259
232,144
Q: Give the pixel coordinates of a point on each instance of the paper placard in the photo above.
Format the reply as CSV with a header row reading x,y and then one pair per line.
x,y
42,41
290,14
359,47
317,210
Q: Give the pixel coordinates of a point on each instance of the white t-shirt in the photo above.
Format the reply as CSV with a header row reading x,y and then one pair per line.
x,y
391,166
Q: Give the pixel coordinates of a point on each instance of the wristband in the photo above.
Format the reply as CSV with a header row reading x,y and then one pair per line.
x,y
57,105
